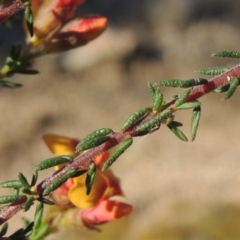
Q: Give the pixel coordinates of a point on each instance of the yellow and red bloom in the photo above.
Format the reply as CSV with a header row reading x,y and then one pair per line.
x,y
104,203
56,29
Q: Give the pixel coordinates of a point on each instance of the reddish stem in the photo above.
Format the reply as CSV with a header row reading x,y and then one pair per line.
x,y
12,209
214,83
83,161
10,7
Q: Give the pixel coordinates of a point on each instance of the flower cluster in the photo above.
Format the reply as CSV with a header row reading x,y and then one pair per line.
x,y
105,202
57,29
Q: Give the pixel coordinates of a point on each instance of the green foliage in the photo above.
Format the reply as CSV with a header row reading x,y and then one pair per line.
x,y
8,84
135,118
94,139
232,88
227,54
212,71
157,98
53,186
181,83
195,122
29,18
173,126
122,147
91,174
52,162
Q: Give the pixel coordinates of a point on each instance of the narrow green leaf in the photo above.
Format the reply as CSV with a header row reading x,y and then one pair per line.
x,y
98,133
34,178
227,54
46,201
10,198
152,90
153,123
212,71
176,124
8,84
189,105
158,101
27,191
182,83
182,98
135,117
177,132
122,147
23,181
38,215
232,88
195,122
4,229
28,204
51,162
11,184
79,173
91,174
52,187
86,144
222,89
29,19
94,139
42,232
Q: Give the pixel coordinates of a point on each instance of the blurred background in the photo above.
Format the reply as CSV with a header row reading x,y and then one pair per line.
x,y
180,191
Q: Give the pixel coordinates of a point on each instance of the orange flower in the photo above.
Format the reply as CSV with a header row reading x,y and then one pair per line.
x,y
77,33
56,29
97,207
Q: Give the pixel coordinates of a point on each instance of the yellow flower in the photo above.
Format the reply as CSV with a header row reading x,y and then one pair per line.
x,y
97,207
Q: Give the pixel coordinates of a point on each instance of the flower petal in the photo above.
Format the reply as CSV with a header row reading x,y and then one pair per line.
x,y
60,145
77,193
105,211
76,33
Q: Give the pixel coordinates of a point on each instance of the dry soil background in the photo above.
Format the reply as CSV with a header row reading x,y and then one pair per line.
x,y
179,190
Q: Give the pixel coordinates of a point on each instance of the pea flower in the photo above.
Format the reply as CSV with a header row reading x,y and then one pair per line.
x,y
105,202
57,29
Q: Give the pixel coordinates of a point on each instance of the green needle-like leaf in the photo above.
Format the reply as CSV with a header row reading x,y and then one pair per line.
x,y
91,143
135,117
222,89
8,84
227,54
29,19
51,162
11,184
195,122
46,201
4,229
34,178
177,132
94,139
23,181
52,187
153,123
212,71
189,105
182,83
232,88
182,98
91,174
38,216
28,204
122,147
10,198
